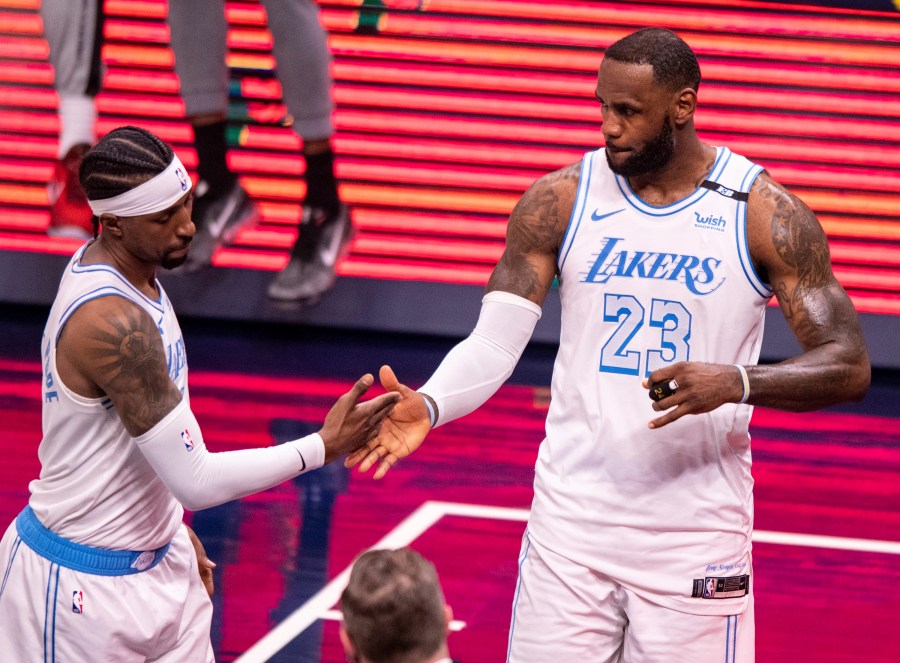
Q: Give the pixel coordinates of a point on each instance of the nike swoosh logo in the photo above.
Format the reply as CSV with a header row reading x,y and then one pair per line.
x,y
600,217
331,247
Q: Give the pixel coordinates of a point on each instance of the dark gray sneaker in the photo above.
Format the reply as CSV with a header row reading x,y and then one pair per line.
x,y
218,221
311,270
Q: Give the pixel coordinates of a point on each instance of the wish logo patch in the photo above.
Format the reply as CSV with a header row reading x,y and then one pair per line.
x,y
709,222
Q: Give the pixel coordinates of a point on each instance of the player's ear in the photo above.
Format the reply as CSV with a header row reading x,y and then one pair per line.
x,y
349,647
111,224
448,617
684,105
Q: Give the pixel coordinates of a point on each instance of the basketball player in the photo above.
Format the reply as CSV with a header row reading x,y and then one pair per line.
x,y
668,251
394,610
99,566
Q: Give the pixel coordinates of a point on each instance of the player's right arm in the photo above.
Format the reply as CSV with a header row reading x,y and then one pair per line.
x,y
110,346
474,370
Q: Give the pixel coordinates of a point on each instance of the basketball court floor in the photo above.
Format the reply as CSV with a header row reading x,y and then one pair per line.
x,y
827,542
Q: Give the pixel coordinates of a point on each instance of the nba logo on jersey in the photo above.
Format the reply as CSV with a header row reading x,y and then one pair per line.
x,y
186,438
78,601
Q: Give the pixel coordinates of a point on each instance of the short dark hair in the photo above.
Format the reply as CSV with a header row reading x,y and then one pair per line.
x,y
393,607
674,64
120,161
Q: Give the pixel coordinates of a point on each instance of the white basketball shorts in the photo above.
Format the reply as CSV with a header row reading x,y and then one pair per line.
x,y
61,601
563,611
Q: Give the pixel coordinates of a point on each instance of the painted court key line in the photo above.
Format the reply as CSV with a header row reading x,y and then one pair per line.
x,y
320,605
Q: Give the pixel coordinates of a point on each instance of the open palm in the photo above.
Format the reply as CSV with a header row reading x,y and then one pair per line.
x,y
401,432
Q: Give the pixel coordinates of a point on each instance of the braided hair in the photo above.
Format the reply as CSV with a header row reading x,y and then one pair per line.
x,y
674,63
123,159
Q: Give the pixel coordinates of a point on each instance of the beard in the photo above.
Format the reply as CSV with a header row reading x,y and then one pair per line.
x,y
655,154
168,262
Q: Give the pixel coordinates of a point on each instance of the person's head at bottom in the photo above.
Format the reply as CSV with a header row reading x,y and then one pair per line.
x,y
394,609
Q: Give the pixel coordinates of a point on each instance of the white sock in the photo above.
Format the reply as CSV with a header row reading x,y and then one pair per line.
x,y
77,115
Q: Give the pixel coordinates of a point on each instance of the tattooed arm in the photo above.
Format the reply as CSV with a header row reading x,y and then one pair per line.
x,y
791,253
111,347
534,234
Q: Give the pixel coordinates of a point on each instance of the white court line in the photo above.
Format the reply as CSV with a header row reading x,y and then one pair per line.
x,y
420,520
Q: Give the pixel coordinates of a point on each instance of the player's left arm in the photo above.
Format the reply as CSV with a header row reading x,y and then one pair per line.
x,y
791,253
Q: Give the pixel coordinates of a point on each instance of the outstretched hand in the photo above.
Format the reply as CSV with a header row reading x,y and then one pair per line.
x,y
349,424
401,433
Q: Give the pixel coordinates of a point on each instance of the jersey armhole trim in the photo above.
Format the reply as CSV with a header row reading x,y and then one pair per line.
x,y
576,215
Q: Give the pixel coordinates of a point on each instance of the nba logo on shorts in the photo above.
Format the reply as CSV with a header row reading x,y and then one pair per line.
x,y
186,438
182,179
78,601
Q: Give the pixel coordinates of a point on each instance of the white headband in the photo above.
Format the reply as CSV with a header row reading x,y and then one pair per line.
x,y
154,195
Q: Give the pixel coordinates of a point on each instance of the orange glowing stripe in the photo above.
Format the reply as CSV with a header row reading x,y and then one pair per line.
x,y
21,23
27,220
21,4
429,249
25,170
870,204
35,146
429,198
429,224
880,255
40,244
775,124
27,97
24,48
136,8
149,81
18,194
271,138
138,56
251,61
254,39
256,162
858,179
806,149
28,122
136,32
31,73
868,303
844,78
116,103
880,105
871,279
240,14
402,271
274,239
860,228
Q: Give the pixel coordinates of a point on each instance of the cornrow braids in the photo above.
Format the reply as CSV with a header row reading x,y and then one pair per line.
x,y
123,159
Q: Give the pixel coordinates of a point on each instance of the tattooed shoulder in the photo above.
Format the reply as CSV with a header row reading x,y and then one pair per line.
x,y
123,353
792,230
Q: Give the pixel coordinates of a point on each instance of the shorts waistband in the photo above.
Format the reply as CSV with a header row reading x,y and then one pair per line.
x,y
78,557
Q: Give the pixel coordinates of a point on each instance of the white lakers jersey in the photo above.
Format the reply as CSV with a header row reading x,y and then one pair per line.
x,y
95,486
644,287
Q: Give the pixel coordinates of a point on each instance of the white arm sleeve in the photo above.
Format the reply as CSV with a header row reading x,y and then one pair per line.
x,y
199,479
474,370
